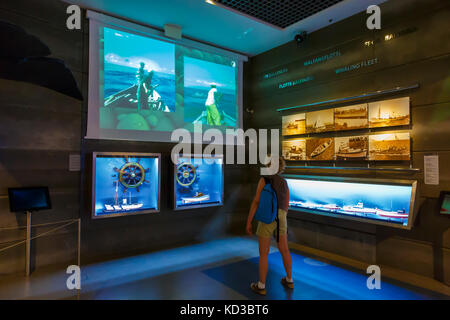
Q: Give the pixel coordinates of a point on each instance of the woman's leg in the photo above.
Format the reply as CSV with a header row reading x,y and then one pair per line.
x,y
284,250
264,247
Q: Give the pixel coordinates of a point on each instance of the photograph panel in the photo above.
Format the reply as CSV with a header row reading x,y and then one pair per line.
x,y
351,148
390,146
389,113
320,121
294,124
351,117
294,149
320,149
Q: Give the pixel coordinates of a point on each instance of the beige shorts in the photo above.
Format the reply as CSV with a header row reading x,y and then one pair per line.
x,y
265,230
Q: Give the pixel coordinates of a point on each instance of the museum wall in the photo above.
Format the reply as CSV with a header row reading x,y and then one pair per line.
x,y
41,128
418,54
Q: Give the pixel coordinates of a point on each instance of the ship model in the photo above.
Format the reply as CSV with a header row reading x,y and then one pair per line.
x,y
132,175
356,210
198,197
126,205
186,176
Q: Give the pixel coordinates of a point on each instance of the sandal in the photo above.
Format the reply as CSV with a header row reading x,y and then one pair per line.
x,y
286,284
256,289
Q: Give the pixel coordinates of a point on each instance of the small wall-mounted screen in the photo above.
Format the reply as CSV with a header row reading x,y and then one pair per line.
x,y
198,182
29,199
125,184
387,203
445,203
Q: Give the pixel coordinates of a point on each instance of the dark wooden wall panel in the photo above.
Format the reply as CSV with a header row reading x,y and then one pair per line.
x,y
64,44
432,76
417,54
40,129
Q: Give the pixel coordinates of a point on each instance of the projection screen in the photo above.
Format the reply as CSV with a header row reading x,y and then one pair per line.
x,y
143,85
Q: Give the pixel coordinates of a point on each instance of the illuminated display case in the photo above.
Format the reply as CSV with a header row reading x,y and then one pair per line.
x,y
125,183
444,208
198,181
379,201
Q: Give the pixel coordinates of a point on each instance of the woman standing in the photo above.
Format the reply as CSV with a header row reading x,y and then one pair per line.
x,y
266,231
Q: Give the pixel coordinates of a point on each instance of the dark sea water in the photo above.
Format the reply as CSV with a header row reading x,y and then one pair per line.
x,y
118,78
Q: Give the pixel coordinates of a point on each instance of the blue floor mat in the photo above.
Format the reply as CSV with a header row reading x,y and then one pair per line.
x,y
314,280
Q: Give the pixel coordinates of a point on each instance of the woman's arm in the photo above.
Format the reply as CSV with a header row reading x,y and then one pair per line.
x,y
254,205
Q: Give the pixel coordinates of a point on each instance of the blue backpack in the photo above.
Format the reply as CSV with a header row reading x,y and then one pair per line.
x,y
267,210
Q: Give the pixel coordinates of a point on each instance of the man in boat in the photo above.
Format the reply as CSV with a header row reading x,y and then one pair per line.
x,y
141,93
213,114
152,103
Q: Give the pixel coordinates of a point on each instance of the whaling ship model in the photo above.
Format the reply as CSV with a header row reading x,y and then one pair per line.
x,y
357,209
131,176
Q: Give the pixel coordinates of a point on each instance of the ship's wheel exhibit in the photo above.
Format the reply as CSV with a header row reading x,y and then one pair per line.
x,y
131,175
186,174
191,191
125,184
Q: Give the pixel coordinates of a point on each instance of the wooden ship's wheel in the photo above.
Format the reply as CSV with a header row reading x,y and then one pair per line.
x,y
132,175
186,174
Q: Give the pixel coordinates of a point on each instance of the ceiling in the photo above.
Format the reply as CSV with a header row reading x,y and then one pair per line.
x,y
279,13
243,31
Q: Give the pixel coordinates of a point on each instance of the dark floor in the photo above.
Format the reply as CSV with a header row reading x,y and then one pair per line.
x,y
220,269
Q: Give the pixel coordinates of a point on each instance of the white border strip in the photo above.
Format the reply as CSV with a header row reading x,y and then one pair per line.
x,y
154,33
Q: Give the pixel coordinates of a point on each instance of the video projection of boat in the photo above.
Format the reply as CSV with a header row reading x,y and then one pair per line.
x,y
125,183
226,120
128,99
378,201
198,181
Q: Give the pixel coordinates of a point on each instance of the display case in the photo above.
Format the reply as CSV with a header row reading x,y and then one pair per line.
x,y
198,181
125,183
379,201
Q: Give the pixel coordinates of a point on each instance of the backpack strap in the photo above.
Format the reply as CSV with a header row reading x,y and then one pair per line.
x,y
278,228
268,181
